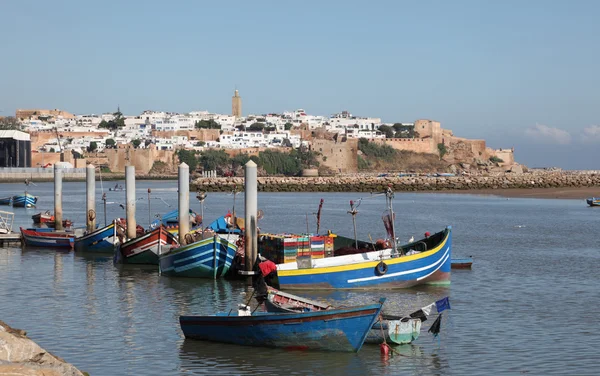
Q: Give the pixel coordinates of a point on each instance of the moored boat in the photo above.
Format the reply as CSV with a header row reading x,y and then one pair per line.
x,y
343,329
593,201
6,200
462,262
387,268
145,249
43,217
26,200
101,240
47,238
205,258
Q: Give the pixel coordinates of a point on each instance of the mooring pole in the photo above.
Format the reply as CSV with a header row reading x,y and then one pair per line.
x,y
353,211
58,212
149,209
90,185
251,208
130,201
184,201
104,199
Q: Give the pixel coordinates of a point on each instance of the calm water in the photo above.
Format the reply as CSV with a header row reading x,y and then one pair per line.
x,y
528,305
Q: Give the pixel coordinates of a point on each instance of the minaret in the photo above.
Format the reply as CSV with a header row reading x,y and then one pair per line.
x,y
236,104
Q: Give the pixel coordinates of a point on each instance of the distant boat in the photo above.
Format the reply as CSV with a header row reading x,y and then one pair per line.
x,y
462,263
44,217
101,240
116,188
343,329
206,258
24,201
67,223
593,201
48,238
398,330
145,249
6,200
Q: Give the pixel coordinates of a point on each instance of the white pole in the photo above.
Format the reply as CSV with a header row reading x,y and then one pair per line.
x,y
251,208
58,212
130,201
90,175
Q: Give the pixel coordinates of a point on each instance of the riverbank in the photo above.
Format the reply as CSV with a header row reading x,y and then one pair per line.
x,y
536,184
19,355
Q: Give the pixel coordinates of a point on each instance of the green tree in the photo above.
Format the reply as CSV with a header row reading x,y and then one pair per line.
x,y
442,150
496,159
207,124
387,130
188,157
110,143
214,159
374,150
288,126
239,160
9,123
136,143
256,126
92,147
403,131
276,162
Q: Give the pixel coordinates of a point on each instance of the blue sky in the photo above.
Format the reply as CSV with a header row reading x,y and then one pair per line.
x,y
515,73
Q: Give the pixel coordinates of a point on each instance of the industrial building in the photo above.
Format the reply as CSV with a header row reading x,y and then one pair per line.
x,y
15,149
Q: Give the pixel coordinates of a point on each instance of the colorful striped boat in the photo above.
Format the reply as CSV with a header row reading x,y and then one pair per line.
x,y
101,240
593,201
45,217
376,269
343,329
47,238
145,248
206,258
24,201
6,200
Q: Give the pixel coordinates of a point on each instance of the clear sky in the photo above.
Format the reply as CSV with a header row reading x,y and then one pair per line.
x,y
515,73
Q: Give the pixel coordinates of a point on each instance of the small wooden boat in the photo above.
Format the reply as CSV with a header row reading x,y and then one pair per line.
x,y
145,249
24,201
101,240
67,223
462,262
47,238
6,200
43,217
397,330
593,201
343,329
387,268
206,258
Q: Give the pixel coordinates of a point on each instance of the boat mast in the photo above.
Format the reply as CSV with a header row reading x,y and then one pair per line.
x,y
389,196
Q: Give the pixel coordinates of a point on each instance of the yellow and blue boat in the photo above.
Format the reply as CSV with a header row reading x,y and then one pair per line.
x,y
426,261
593,201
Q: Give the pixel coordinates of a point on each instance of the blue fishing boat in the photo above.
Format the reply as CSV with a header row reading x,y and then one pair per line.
x,y
6,200
47,238
206,258
24,201
593,201
462,262
171,221
101,240
426,261
343,329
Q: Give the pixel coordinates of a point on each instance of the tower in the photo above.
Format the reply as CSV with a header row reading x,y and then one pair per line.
x,y
236,104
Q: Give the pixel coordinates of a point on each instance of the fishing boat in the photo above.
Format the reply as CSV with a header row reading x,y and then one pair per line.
x,y
47,238
67,223
43,217
171,221
26,200
144,249
593,201
206,258
6,200
426,261
343,329
393,329
101,240
462,262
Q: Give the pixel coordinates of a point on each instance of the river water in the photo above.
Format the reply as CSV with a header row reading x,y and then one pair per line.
x,y
527,306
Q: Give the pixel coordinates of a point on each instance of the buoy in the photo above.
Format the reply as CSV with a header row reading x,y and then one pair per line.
x,y
385,350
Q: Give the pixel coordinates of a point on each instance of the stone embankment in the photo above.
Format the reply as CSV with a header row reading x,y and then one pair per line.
x,y
20,356
365,183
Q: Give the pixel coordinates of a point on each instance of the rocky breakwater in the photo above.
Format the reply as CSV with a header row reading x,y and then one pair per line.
x,y
21,356
369,183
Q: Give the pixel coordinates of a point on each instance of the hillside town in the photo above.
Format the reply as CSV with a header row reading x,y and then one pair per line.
x,y
114,139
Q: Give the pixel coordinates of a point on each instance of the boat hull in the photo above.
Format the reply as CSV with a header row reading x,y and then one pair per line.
x,y
334,330
6,200
207,258
24,201
47,239
462,263
146,248
103,240
399,332
429,267
593,201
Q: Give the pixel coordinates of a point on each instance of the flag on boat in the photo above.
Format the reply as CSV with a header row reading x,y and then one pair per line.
x,y
442,304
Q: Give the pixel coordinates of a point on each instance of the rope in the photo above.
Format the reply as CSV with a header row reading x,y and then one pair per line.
x,y
91,214
383,335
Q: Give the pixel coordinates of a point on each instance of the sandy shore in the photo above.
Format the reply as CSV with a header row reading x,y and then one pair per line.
x,y
562,193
